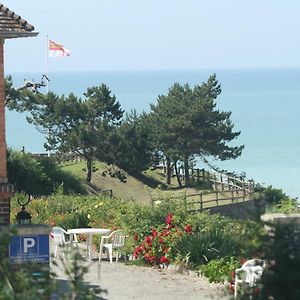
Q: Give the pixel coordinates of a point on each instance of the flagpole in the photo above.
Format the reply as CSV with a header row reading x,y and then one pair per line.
x,y
47,81
47,63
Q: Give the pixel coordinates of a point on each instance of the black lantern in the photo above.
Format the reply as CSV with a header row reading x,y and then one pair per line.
x,y
23,217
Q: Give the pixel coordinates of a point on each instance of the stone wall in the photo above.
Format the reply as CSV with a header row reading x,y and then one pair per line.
x,y
251,209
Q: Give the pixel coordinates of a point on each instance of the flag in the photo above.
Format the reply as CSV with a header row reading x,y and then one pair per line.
x,y
58,50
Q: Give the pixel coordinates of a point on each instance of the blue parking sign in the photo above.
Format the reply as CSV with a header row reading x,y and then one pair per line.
x,y
29,248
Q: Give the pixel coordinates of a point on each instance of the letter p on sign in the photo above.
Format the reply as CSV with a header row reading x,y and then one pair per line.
x,y
28,243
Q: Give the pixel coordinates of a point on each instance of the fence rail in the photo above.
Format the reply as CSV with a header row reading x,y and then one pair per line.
x,y
201,201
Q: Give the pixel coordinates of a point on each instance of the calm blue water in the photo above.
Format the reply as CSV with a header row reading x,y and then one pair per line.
x,y
265,106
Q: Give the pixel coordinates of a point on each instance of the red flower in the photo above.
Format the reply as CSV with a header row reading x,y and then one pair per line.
x,y
161,240
188,229
164,260
231,288
165,232
148,239
135,237
143,247
154,233
137,251
169,219
233,274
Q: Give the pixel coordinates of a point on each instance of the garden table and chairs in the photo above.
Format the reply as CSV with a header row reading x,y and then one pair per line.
x,y
113,242
89,232
248,274
61,240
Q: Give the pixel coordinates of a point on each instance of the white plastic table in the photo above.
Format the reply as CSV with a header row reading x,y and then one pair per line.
x,y
89,233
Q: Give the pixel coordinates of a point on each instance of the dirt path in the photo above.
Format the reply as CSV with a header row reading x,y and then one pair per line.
x,y
131,282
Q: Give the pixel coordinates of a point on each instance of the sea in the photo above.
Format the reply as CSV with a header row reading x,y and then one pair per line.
x,y
265,107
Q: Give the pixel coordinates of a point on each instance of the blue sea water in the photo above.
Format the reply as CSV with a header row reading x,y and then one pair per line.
x,y
265,106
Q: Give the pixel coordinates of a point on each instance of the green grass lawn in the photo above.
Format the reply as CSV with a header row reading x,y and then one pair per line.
x,y
142,188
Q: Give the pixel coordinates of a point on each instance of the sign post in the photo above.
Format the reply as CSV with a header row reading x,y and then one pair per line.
x,y
30,247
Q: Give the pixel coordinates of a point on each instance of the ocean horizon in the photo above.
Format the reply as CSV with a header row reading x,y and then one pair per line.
x,y
264,105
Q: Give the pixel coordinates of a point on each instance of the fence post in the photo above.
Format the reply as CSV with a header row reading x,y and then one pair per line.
x,y
215,179
222,184
217,198
232,195
201,202
198,175
244,194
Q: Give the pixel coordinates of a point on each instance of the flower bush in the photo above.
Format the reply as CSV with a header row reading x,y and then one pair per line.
x,y
221,270
159,235
158,248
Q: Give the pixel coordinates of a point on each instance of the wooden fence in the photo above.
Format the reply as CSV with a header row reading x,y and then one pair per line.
x,y
219,181
201,201
224,182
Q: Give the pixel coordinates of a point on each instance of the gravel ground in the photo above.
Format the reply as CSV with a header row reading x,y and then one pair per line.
x,y
124,282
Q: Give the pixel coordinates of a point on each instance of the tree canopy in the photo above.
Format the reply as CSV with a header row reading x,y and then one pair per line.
x,y
72,124
187,124
183,125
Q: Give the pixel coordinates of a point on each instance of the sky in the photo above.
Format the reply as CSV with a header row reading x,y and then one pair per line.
x,y
157,34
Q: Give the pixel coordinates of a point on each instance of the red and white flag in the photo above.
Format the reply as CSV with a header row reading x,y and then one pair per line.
x,y
58,50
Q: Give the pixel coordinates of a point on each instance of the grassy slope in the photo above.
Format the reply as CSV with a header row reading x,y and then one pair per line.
x,y
148,185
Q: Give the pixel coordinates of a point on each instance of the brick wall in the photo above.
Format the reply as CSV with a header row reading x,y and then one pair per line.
x,y
6,189
3,164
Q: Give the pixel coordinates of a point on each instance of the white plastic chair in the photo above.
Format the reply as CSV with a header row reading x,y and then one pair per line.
x,y
248,274
114,241
59,239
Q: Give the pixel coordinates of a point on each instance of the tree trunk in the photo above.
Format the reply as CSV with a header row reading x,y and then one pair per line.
x,y
186,171
168,165
89,164
177,175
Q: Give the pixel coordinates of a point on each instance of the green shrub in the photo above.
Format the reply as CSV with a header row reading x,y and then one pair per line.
x,y
271,195
39,176
202,247
220,270
286,206
281,278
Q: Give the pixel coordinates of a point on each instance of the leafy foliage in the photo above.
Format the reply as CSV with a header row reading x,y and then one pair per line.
x,y
220,269
187,124
73,125
281,251
133,145
203,247
38,176
271,195
158,247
